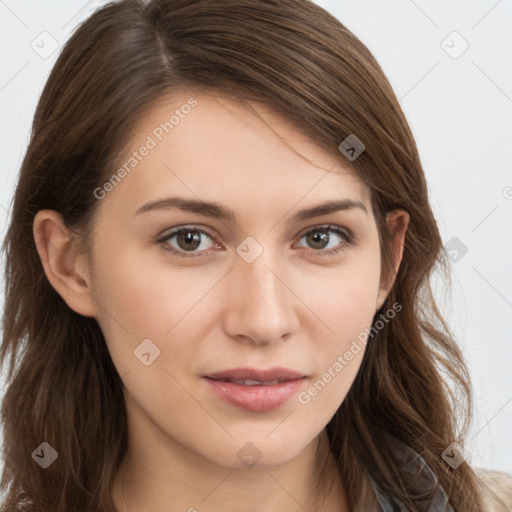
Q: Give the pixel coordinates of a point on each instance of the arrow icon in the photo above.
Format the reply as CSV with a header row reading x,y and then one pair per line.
x,y
453,455
44,44
455,249
44,455
249,455
454,45
247,252
352,147
147,352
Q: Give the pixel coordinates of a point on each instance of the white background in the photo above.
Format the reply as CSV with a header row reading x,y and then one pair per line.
x,y
460,111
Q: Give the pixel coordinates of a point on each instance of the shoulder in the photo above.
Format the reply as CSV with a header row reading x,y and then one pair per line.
x,y
496,490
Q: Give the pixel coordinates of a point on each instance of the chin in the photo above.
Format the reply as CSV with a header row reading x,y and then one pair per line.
x,y
256,451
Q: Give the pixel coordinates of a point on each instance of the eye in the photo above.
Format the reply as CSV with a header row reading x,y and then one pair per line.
x,y
190,241
320,238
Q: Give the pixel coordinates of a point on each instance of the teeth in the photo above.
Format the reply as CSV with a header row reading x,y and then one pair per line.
x,y
249,382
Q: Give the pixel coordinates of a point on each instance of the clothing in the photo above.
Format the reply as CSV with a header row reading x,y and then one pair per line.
x,y
496,486
413,464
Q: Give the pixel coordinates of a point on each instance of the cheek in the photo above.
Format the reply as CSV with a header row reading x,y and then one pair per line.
x,y
145,292
344,304
345,298
138,300
168,305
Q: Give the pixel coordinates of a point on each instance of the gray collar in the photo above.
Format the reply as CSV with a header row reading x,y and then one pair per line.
x,y
419,478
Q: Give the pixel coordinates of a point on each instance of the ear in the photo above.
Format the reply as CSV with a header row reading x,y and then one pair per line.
x,y
397,222
66,270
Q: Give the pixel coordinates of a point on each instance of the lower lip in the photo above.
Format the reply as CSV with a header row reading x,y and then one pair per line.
x,y
255,398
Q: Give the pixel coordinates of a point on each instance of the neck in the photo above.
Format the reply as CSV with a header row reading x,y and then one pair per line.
x,y
178,479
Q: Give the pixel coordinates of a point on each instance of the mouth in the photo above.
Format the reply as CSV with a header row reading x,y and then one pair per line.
x,y
255,390
249,382
270,376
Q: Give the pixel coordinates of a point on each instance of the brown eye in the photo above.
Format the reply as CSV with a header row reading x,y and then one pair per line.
x,y
318,239
326,240
187,240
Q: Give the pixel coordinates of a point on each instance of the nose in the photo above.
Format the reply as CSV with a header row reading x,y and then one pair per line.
x,y
261,306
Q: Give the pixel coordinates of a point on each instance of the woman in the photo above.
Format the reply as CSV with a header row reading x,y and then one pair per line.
x,y
217,278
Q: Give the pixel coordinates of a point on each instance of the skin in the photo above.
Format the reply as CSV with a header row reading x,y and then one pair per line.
x,y
292,306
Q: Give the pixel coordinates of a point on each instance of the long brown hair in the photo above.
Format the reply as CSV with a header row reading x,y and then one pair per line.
x,y
63,388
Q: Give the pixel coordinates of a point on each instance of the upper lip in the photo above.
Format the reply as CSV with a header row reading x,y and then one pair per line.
x,y
281,374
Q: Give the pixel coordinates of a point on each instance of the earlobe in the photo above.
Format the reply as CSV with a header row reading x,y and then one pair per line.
x,y
397,222
63,266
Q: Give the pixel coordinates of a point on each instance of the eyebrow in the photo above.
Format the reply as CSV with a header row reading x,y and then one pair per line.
x,y
218,211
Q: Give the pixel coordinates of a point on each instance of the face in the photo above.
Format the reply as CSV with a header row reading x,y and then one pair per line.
x,y
183,293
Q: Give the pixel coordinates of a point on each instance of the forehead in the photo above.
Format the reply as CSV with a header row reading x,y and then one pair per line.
x,y
213,146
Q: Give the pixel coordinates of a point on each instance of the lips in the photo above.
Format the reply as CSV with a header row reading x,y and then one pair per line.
x,y
252,374
255,390
250,382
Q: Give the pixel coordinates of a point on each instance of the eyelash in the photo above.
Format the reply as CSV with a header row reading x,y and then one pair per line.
x,y
347,235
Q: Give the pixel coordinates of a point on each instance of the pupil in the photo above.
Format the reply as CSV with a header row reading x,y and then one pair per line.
x,y
319,237
189,237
